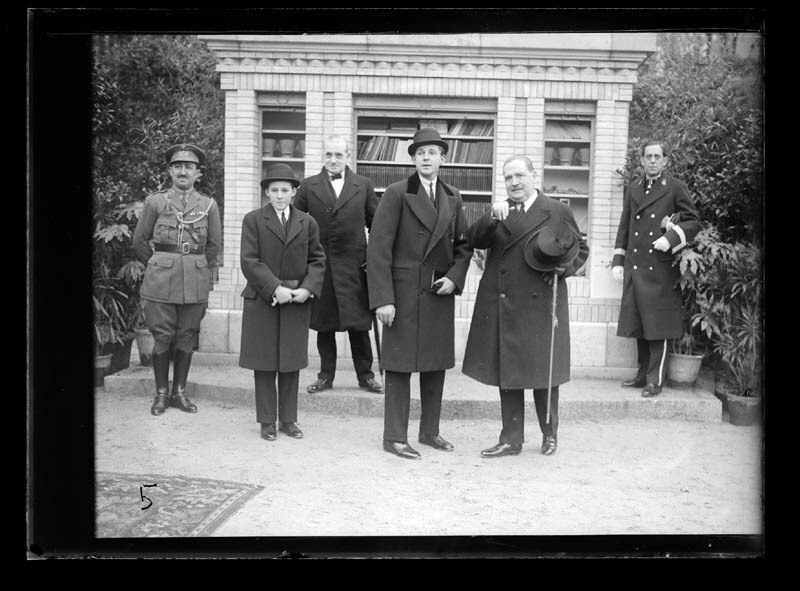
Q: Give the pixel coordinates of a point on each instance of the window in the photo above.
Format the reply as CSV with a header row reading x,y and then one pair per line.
x,y
568,156
283,132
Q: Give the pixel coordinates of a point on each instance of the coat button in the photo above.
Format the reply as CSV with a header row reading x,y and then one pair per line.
x,y
635,250
652,215
638,217
651,268
651,233
650,251
534,295
635,267
502,296
636,233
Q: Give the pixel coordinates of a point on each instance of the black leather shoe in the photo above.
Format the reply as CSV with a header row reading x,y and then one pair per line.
x,y
403,450
159,404
502,449
549,444
370,385
291,429
651,390
634,383
268,431
436,442
320,385
179,400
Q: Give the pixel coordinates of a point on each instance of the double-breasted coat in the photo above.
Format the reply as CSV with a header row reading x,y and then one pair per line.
x,y
193,228
411,244
344,302
651,306
275,338
509,337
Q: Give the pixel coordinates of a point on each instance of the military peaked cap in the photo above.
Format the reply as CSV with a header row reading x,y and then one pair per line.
x,y
185,153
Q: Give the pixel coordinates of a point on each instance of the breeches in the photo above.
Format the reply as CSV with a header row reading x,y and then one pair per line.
x,y
178,322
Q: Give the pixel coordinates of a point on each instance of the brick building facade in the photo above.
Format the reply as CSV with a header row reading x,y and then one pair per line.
x,y
529,90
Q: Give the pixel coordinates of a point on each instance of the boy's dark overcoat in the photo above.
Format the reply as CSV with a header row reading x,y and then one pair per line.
x,y
276,338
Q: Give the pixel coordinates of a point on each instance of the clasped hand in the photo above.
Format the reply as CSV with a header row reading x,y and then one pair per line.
x,y
661,244
500,210
284,295
548,277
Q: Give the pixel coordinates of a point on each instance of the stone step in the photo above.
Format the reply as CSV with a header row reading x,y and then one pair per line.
x,y
592,394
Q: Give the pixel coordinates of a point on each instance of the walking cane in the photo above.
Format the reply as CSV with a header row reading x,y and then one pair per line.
x,y
552,341
377,341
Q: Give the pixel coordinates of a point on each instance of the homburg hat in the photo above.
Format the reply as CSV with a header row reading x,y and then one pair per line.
x,y
425,136
555,245
185,153
279,172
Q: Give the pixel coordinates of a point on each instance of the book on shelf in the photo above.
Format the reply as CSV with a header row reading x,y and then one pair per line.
x,y
439,125
464,179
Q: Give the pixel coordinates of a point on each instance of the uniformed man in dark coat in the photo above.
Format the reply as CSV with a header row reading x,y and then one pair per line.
x,y
658,219
284,264
531,239
343,204
184,226
417,261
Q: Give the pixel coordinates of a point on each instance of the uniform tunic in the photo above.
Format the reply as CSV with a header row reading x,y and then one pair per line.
x,y
651,306
410,245
175,277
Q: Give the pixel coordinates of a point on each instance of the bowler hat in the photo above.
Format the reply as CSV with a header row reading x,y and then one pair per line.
x,y
425,136
279,172
185,153
555,245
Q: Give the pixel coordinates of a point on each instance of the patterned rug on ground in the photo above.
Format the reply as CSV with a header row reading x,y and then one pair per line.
x,y
153,505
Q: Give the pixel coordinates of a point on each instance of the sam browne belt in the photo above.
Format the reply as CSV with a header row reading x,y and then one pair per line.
x,y
182,248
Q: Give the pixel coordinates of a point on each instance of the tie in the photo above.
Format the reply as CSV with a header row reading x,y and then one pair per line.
x,y
283,221
338,175
432,195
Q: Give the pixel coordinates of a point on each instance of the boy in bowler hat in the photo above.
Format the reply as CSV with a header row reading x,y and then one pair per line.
x,y
284,264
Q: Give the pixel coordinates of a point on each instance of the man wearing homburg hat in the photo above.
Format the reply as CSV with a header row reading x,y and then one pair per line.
x,y
184,227
532,241
417,261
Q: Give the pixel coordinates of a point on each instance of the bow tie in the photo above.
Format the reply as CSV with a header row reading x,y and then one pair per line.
x,y
336,176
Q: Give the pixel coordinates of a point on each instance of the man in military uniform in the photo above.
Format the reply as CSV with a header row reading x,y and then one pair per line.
x,y
184,226
658,219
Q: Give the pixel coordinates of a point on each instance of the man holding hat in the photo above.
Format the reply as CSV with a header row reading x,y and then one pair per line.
x,y
417,261
185,229
284,264
532,241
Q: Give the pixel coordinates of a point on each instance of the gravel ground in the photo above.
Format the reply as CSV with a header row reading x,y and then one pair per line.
x,y
617,477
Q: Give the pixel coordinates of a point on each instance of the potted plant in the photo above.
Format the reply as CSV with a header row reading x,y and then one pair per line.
x,y
116,272
696,262
739,332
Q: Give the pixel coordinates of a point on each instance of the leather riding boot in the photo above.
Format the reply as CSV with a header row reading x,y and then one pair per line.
x,y
183,360
161,372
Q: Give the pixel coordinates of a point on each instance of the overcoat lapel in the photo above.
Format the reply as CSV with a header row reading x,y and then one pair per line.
x,y
419,203
294,226
273,223
658,190
349,189
533,219
446,205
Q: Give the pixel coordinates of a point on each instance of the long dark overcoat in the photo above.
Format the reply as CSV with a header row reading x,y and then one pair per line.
x,y
344,303
410,244
651,306
276,338
509,337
